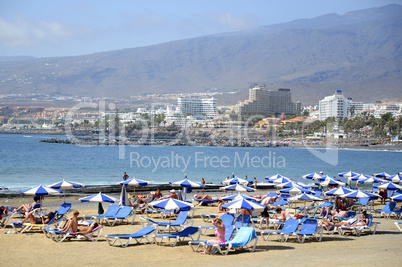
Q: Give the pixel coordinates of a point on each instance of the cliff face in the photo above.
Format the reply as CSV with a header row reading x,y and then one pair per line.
x,y
359,52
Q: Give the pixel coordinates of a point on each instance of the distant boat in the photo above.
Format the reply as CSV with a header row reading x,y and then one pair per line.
x,y
27,136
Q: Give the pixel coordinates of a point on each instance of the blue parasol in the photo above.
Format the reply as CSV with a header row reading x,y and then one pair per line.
x,y
40,191
395,178
238,188
65,185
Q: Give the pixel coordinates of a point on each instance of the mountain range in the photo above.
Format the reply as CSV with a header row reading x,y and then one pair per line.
x,y
359,53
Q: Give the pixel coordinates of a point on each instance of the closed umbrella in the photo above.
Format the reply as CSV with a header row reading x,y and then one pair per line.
x,y
124,201
65,185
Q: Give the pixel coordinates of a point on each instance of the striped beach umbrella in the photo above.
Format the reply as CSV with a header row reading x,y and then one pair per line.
x,y
295,191
135,182
360,194
304,197
185,183
397,198
237,188
332,182
65,185
339,191
40,191
359,177
235,180
390,186
98,198
381,175
171,204
370,180
281,180
314,176
348,174
243,204
395,178
289,185
237,197
273,177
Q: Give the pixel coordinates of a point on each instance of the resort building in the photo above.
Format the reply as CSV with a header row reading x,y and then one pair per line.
x,y
338,106
265,102
197,107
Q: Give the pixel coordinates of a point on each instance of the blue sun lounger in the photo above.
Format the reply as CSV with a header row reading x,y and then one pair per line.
x,y
309,228
180,222
124,214
186,232
137,236
243,238
111,211
371,227
229,229
289,228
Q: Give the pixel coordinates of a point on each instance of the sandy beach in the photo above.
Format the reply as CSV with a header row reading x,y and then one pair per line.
x,y
367,250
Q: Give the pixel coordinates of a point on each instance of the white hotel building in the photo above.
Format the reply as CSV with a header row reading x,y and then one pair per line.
x,y
337,106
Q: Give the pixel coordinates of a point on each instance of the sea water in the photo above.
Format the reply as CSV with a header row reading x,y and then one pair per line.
x,y
26,162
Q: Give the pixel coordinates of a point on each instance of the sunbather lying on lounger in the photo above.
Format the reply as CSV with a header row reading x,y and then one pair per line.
x,y
41,220
72,225
207,197
26,207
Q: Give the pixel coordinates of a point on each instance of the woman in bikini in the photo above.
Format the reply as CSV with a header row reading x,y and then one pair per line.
x,y
73,226
220,235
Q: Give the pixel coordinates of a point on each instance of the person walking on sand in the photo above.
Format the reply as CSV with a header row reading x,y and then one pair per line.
x,y
203,183
125,176
255,183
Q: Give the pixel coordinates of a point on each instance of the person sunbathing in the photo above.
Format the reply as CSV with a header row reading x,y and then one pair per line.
x,y
221,210
220,235
24,208
172,195
284,215
363,221
41,220
73,225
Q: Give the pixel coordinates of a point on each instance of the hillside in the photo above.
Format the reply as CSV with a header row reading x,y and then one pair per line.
x,y
359,52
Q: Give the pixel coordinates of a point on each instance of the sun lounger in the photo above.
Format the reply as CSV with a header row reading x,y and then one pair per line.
x,y
137,236
309,228
180,222
203,202
226,218
371,227
289,228
387,208
60,236
207,217
243,238
396,211
34,209
229,229
180,236
243,221
124,214
397,224
111,211
21,228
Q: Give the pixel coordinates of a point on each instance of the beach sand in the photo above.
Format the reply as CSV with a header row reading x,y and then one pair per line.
x,y
383,248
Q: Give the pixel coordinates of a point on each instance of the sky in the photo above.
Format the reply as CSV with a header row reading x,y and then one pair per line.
x,y
49,28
